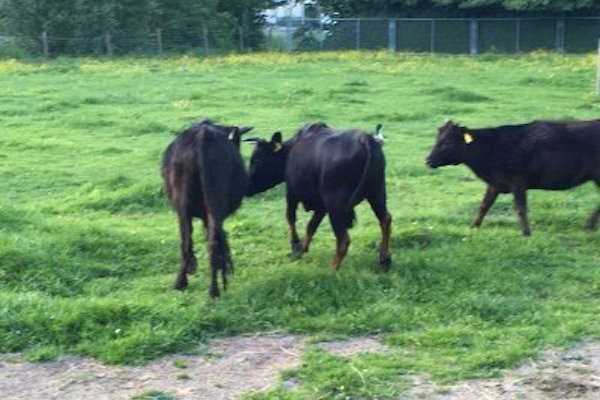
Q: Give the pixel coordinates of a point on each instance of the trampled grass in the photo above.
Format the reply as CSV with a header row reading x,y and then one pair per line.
x,y
89,247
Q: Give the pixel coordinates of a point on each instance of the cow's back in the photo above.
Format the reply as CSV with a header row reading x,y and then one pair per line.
x,y
562,155
550,155
180,174
222,172
202,164
324,161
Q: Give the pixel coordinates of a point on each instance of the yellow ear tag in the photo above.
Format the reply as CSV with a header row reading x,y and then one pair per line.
x,y
468,138
278,147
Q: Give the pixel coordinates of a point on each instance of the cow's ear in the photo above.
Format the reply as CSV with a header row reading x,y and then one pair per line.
x,y
235,136
276,142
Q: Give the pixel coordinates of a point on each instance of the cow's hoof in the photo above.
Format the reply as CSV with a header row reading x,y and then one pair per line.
x,y
385,261
475,225
180,283
214,293
192,267
297,250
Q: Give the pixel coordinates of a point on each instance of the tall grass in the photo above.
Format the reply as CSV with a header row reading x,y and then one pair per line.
x,y
89,248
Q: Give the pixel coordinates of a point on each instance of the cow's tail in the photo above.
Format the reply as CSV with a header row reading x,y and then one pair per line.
x,y
218,248
364,140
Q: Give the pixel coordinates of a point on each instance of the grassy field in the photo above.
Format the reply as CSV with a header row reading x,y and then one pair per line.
x,y
89,247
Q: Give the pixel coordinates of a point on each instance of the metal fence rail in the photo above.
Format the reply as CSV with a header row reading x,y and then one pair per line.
x,y
421,35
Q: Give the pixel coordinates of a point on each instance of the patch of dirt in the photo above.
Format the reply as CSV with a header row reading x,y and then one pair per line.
x,y
571,374
354,347
228,368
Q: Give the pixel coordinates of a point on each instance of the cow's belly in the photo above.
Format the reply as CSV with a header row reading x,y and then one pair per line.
x,y
557,183
307,194
311,199
556,171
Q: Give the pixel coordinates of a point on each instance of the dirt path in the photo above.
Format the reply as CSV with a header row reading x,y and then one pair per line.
x,y
571,374
228,367
231,367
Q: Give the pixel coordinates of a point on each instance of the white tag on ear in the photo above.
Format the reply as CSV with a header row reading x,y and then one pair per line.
x,y
278,147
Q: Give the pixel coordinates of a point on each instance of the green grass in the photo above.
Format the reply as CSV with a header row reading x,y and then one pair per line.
x,y
89,247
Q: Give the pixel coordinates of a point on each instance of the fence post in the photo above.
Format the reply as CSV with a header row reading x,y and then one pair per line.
x,y
473,37
159,41
560,35
432,38
108,42
45,50
518,36
321,33
392,35
205,40
289,35
358,34
598,71
241,38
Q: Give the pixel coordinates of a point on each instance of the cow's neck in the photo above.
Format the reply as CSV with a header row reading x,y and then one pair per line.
x,y
479,155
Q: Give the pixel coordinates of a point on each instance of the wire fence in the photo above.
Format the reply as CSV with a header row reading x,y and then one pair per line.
x,y
444,35
429,35
201,42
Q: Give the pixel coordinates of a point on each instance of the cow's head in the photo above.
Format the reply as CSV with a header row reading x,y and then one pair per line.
x,y
450,146
267,164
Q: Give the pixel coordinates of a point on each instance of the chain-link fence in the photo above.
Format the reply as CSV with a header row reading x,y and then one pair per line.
x,y
431,35
440,35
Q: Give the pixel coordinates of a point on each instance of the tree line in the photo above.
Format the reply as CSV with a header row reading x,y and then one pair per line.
x,y
228,24
89,18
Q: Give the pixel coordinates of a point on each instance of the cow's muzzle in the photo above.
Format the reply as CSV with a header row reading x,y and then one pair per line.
x,y
430,163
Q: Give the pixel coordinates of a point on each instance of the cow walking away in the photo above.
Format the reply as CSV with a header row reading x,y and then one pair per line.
x,y
551,155
204,177
329,172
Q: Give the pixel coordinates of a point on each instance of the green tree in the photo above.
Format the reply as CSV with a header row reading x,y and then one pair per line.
x,y
247,14
183,20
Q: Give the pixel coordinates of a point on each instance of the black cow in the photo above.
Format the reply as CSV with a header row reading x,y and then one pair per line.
x,y
204,176
329,172
550,155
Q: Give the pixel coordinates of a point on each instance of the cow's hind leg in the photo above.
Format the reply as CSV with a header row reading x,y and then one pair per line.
x,y
488,201
312,227
340,222
217,253
295,244
520,195
593,220
592,223
189,264
378,205
226,252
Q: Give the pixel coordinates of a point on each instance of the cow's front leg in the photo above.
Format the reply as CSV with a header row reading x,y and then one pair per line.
x,y
491,193
520,195
296,246
312,227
